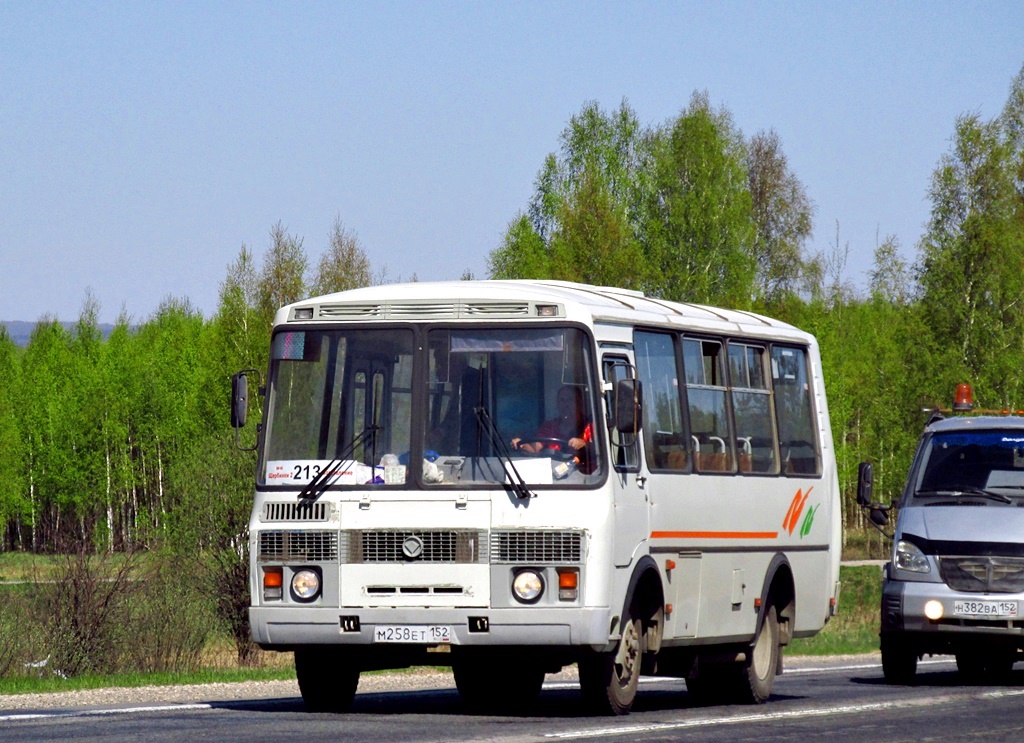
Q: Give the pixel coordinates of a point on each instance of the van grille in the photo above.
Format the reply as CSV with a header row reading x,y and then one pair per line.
x,y
303,546
536,547
983,574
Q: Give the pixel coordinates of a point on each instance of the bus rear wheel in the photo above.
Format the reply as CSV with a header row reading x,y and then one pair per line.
x,y
325,682
609,680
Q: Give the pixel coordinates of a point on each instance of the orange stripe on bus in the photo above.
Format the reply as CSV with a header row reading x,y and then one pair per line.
x,y
714,535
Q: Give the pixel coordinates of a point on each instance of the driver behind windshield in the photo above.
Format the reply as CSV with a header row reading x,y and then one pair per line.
x,y
570,426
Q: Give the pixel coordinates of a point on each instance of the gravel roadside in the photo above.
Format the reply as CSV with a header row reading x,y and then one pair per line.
x,y
413,680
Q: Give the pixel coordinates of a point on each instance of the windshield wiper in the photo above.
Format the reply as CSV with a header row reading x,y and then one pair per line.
x,y
958,492
503,453
316,487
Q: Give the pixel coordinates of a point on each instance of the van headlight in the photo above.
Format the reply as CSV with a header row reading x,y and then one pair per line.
x,y
909,556
305,585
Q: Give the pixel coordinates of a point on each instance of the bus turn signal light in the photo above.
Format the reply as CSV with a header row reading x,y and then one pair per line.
x,y
273,583
568,584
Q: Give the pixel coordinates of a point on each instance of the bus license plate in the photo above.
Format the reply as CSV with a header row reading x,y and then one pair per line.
x,y
414,633
993,609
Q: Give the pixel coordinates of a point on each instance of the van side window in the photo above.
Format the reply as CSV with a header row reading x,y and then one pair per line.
x,y
665,438
798,440
704,362
756,446
624,448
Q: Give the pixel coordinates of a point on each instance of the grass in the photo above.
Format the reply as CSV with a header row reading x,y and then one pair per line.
x,y
854,629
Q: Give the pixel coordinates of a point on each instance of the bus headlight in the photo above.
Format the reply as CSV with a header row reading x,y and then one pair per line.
x,y
528,586
305,585
909,557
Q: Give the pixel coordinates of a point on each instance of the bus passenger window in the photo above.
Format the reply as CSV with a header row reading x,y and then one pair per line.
x,y
703,361
752,407
665,439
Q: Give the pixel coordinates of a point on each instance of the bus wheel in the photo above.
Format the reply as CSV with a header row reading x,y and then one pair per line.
x,y
326,683
497,687
609,680
755,675
899,661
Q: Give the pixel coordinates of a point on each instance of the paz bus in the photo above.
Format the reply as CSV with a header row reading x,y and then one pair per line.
x,y
417,502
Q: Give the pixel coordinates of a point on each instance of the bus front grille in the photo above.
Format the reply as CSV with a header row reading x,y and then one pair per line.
x,y
550,547
402,545
302,546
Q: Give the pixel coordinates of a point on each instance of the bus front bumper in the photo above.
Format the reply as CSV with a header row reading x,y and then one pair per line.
x,y
286,626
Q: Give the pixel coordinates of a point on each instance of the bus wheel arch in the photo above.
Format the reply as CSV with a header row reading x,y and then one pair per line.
x,y
779,591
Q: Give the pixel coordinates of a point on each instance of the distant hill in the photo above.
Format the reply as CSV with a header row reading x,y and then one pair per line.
x,y
20,331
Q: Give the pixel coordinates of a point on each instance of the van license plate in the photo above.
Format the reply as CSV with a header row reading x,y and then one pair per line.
x,y
993,609
413,633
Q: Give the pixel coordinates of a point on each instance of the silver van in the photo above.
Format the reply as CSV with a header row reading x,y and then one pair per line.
x,y
955,583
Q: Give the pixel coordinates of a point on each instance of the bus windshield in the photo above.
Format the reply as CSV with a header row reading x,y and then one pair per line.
x,y
342,409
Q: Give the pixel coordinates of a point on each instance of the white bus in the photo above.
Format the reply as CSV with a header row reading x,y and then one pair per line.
x,y
424,496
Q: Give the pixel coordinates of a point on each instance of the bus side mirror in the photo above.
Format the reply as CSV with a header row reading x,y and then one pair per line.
x,y
627,405
865,484
239,399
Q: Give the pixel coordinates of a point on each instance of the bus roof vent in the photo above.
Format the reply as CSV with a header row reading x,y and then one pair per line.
x,y
352,311
424,310
496,309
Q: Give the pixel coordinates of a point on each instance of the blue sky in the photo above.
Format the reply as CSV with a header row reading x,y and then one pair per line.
x,y
141,144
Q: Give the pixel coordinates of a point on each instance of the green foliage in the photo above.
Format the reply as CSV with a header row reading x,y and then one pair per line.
x,y
344,265
854,629
972,263
684,211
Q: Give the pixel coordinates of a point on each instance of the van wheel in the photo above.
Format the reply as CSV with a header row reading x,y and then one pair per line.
x,y
899,661
609,680
980,667
326,683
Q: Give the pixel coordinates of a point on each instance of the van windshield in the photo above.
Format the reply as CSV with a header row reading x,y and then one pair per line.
x,y
972,464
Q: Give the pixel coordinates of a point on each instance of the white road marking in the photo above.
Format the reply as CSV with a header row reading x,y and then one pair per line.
x,y
96,712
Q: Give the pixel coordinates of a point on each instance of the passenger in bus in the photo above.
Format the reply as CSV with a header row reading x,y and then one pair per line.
x,y
570,425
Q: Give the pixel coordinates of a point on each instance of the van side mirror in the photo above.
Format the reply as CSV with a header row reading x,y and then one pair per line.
x,y
239,399
878,516
865,484
627,406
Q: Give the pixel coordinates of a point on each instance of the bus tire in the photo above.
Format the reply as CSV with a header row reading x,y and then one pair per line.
x,y
325,682
609,680
899,661
497,687
755,675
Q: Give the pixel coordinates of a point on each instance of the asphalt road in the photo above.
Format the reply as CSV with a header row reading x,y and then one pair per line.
x,y
843,699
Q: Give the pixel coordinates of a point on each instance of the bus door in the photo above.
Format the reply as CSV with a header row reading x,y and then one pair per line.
x,y
628,482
